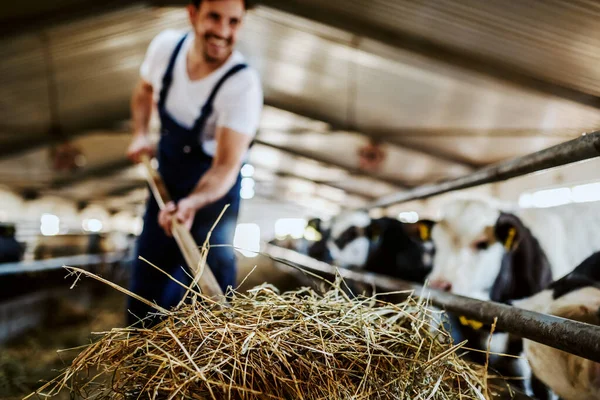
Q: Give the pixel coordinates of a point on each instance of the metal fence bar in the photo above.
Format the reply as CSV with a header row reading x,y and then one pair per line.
x,y
574,337
22,267
582,148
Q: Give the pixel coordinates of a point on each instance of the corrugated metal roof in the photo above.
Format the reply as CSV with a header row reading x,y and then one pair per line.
x,y
435,119
557,40
23,86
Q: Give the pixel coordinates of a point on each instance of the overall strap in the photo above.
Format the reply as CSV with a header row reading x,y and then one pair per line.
x,y
168,76
207,108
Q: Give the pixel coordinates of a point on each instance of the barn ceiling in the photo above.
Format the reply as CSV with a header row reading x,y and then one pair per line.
x,y
443,86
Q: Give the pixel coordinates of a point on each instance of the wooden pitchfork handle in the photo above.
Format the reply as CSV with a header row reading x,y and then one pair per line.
x,y
207,282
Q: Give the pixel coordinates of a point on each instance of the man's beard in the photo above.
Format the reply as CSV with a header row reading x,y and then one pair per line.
x,y
213,60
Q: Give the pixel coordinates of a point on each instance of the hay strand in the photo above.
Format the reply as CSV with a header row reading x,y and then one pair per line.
x,y
266,344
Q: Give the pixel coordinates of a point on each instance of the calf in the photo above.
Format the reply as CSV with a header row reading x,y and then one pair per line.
x,y
575,296
487,252
384,245
400,250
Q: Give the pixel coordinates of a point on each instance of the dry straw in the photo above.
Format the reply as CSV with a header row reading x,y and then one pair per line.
x,y
267,345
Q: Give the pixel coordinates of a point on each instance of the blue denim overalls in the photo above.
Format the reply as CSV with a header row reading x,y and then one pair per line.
x,y
182,162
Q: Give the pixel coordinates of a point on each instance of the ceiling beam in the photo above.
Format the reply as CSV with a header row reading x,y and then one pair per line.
x,y
496,69
32,21
352,171
91,173
287,200
310,113
351,192
32,140
123,190
56,15
110,123
42,14
117,166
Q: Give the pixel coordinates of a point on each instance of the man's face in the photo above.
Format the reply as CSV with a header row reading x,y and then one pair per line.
x,y
216,24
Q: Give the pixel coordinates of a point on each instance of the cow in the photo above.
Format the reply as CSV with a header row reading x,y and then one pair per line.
x,y
319,249
489,251
385,246
575,296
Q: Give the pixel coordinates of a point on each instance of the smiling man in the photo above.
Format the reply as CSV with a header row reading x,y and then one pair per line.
x,y
209,103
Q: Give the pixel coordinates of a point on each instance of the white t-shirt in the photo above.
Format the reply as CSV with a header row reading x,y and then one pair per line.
x,y
238,103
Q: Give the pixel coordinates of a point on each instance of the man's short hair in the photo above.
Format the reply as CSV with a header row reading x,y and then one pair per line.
x,y
247,3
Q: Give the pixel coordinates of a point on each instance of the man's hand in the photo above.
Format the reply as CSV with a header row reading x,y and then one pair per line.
x,y
183,212
214,184
186,210
139,145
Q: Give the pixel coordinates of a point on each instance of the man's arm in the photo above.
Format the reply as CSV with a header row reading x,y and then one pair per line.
x,y
215,183
141,109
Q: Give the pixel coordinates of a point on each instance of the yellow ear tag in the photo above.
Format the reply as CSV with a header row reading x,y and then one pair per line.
x,y
470,322
424,232
510,239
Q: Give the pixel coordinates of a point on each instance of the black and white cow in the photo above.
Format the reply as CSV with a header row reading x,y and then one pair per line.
x,y
489,252
575,296
586,274
384,245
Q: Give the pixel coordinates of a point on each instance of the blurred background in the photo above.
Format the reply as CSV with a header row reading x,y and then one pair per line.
x,y
363,98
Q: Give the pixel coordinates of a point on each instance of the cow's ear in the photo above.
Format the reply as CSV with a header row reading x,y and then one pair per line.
x,y
507,230
525,269
425,227
374,230
420,230
507,285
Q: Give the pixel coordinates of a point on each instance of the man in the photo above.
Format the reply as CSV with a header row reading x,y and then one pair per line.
x,y
209,103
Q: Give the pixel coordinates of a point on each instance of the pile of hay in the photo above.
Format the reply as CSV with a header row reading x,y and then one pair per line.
x,y
299,344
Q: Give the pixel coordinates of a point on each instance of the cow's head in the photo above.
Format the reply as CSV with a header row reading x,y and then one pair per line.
x,y
485,253
420,233
348,242
358,240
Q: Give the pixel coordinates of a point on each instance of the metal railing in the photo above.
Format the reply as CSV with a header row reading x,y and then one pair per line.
x,y
583,148
80,260
574,337
27,289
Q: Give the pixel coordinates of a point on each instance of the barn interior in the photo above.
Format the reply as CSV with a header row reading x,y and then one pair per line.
x,y
362,100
